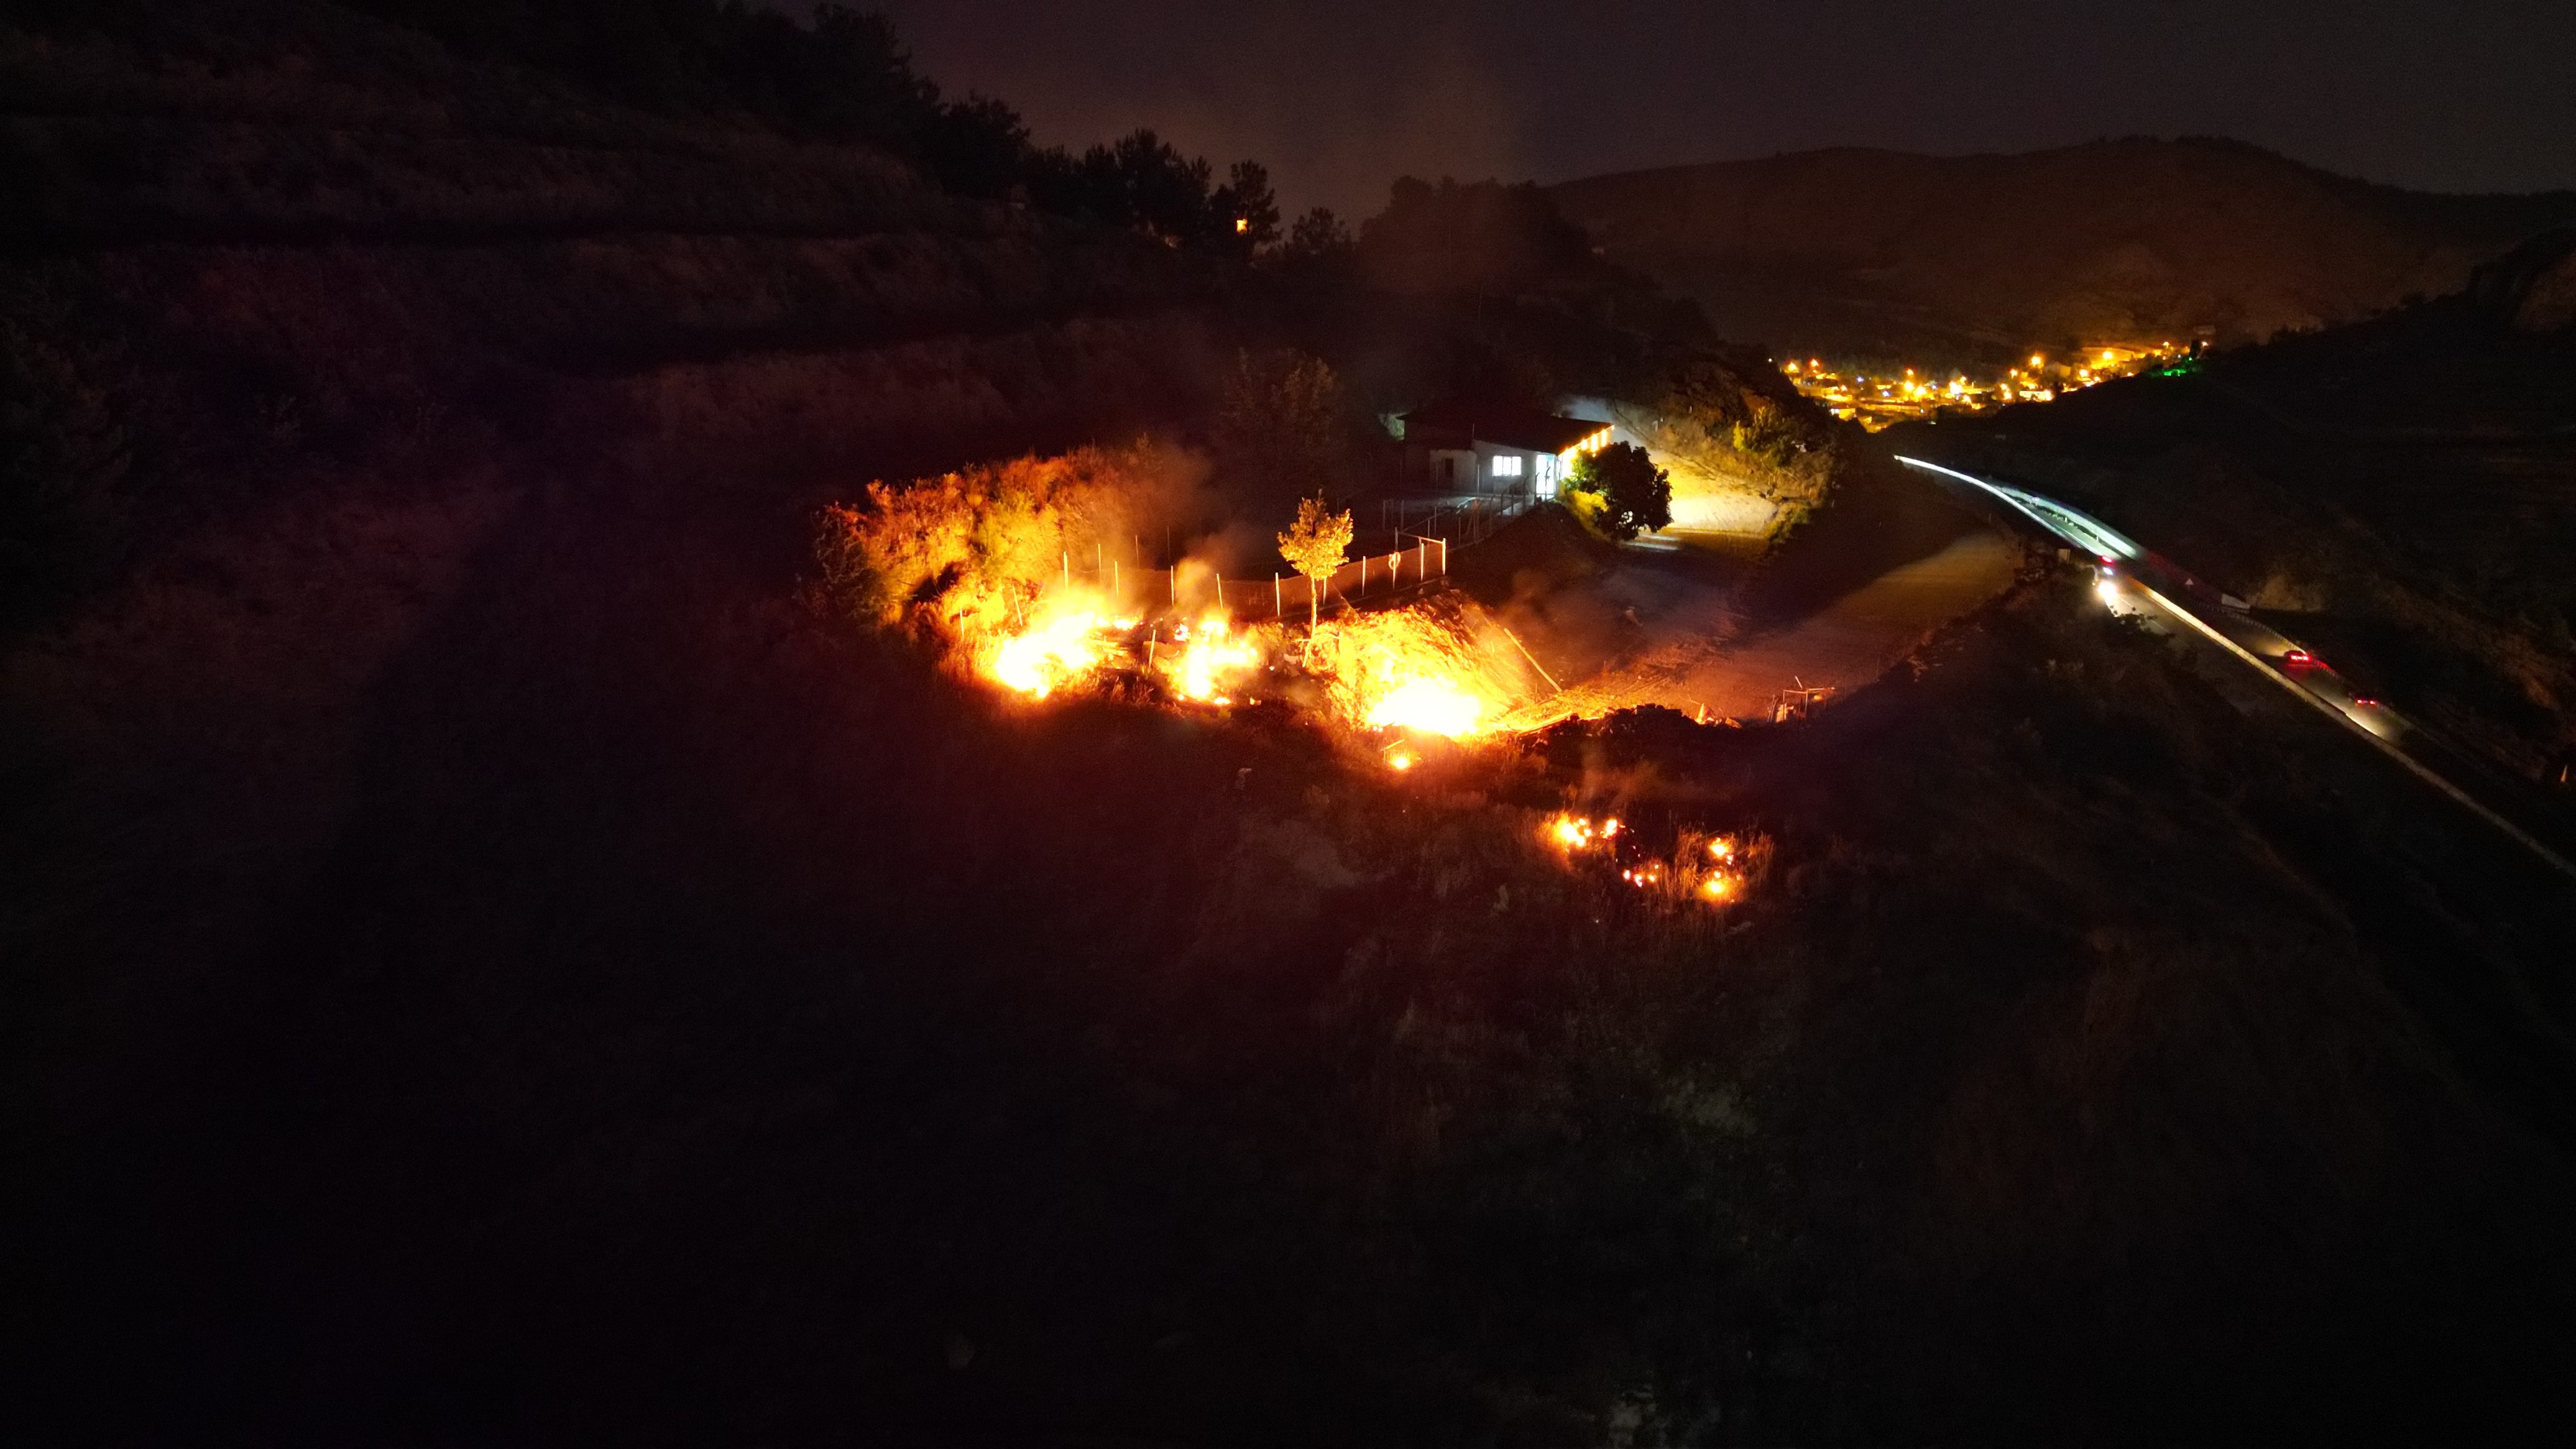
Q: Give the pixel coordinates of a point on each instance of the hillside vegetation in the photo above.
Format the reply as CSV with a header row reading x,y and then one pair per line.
x,y
1879,254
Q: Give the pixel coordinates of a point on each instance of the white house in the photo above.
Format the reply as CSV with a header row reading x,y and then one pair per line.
x,y
1496,448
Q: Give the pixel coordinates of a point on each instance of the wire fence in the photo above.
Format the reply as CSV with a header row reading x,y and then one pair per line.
x,y
1275,595
1418,535
1464,519
1418,540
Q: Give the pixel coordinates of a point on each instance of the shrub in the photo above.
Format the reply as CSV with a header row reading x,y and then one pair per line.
x,y
1633,495
974,547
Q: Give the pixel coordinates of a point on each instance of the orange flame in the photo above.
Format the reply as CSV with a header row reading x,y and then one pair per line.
x,y
1212,656
1057,651
1432,706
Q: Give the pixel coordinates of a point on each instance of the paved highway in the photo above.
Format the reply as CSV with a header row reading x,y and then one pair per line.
x,y
2135,580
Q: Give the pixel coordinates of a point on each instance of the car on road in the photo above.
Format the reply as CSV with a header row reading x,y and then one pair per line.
x,y
2298,659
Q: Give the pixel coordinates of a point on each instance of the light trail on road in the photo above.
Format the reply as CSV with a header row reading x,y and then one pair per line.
x,y
2318,685
2075,526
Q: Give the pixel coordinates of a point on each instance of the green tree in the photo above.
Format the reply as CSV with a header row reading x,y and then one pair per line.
x,y
1314,546
975,147
1636,496
1318,250
1280,420
1245,214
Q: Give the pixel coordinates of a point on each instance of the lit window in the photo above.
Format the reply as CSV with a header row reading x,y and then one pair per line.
x,y
1507,465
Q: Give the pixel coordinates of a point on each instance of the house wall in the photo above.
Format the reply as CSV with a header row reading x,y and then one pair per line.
x,y
1471,470
1455,470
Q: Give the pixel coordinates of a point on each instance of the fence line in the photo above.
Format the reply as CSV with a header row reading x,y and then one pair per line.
x,y
1462,518
1282,595
1416,555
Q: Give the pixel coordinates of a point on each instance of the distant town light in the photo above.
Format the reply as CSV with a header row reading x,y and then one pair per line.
x,y
1242,224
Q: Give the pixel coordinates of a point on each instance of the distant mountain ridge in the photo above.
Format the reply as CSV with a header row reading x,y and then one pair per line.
x,y
1859,251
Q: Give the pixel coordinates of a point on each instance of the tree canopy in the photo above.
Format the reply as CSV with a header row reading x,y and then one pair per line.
x,y
1279,421
1314,546
844,76
1635,495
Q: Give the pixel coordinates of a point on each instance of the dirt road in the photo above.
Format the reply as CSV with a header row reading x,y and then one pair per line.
x,y
1664,628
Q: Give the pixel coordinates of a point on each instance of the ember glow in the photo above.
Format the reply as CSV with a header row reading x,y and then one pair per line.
x,y
1711,870
1571,833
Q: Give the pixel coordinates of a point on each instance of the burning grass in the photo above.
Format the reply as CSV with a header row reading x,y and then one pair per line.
x,y
1435,667
988,550
982,563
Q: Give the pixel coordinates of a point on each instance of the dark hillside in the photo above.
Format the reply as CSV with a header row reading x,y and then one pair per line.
x,y
1877,253
286,244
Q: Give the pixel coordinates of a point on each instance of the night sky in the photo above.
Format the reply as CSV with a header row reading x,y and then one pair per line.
x,y
1338,96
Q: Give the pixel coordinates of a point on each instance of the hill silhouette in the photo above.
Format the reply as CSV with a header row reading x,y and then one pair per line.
x,y
1872,252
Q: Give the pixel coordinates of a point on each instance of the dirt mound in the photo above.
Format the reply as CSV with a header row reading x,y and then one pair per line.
x,y
1880,518
1542,550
